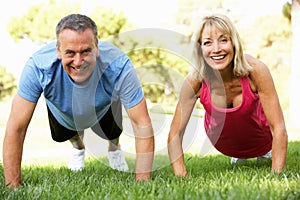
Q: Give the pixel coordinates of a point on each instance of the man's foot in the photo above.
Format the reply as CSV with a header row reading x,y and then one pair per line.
x,y
76,162
266,157
236,160
117,160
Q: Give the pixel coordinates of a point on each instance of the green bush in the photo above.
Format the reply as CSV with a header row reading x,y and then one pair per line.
x,y
7,83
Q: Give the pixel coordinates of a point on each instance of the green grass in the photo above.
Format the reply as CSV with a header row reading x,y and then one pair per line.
x,y
210,177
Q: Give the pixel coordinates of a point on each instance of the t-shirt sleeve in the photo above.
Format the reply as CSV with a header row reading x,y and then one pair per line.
x,y
29,85
128,85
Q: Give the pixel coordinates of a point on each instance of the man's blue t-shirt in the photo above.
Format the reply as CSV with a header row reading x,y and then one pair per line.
x,y
80,106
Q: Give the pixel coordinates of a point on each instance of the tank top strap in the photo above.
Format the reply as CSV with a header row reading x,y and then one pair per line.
x,y
246,87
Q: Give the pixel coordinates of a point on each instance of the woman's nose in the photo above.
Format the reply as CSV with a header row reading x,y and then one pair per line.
x,y
216,47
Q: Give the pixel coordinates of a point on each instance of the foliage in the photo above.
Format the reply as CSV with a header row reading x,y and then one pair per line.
x,y
160,74
7,83
272,45
210,177
278,34
109,23
39,23
286,10
186,8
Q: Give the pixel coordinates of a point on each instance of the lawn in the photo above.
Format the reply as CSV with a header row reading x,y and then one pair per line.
x,y
210,177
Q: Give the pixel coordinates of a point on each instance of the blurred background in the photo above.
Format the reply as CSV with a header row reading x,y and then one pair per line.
x,y
269,30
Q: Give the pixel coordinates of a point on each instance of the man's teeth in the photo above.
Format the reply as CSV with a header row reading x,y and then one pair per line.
x,y
80,68
218,57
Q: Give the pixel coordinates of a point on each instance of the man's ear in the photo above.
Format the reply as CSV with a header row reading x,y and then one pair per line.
x,y
97,54
58,52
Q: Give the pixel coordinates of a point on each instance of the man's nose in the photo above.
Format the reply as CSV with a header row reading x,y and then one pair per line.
x,y
78,59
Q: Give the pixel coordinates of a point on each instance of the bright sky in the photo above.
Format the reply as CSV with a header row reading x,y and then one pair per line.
x,y
144,13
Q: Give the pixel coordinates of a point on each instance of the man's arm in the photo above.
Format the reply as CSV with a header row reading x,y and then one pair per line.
x,y
184,108
20,116
144,140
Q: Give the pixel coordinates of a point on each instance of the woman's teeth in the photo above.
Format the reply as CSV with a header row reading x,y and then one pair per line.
x,y
218,57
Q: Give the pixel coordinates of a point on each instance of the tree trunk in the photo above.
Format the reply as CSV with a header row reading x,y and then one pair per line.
x,y
295,67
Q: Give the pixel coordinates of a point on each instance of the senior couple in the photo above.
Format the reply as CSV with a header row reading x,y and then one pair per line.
x,y
85,82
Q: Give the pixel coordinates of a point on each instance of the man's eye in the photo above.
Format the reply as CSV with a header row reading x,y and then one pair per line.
x,y
86,52
69,53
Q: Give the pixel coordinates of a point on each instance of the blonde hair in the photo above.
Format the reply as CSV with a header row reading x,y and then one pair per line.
x,y
199,69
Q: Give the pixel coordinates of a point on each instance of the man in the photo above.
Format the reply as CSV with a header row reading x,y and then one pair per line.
x,y
84,84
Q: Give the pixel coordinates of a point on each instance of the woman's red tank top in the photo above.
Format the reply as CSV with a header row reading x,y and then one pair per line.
x,y
242,131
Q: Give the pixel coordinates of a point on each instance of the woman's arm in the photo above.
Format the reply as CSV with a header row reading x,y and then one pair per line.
x,y
263,81
184,108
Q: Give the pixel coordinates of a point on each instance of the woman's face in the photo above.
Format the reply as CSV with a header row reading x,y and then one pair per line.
x,y
217,48
78,53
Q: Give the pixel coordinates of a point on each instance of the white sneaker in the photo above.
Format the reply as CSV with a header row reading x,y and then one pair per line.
x,y
76,162
117,160
267,156
236,160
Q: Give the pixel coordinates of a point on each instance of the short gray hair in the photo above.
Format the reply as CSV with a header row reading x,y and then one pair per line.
x,y
78,23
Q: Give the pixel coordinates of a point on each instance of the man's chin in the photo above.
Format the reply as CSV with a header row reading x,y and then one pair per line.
x,y
79,79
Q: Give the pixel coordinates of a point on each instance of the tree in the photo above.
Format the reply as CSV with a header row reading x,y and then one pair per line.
x,y
286,11
189,12
295,63
38,24
272,44
109,23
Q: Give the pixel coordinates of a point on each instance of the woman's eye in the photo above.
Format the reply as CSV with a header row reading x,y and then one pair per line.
x,y
224,40
206,43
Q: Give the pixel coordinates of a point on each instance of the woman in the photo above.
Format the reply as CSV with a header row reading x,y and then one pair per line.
x,y
243,116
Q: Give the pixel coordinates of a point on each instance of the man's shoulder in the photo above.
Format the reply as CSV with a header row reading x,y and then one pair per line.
x,y
109,52
45,56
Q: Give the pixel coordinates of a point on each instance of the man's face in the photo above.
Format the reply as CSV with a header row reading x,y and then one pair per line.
x,y
78,53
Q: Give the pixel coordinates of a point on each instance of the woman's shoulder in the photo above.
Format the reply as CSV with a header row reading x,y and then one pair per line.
x,y
194,83
259,70
254,62
258,67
